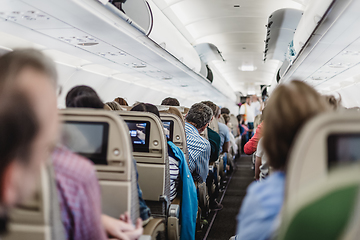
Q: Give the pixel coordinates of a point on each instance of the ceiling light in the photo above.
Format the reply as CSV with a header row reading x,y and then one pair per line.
x,y
247,68
88,44
318,78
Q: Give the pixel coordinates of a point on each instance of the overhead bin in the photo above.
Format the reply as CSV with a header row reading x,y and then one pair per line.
x,y
281,28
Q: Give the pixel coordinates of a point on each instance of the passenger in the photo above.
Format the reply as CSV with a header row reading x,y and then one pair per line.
x,y
283,120
248,114
173,162
113,106
170,102
76,91
88,102
251,145
28,124
121,101
196,121
215,142
256,105
179,169
225,111
334,103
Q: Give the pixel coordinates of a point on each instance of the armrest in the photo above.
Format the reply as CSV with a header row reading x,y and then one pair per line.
x,y
154,226
174,210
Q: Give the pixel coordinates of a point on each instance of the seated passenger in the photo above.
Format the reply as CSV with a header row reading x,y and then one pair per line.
x,y
196,121
173,162
121,101
179,170
113,106
169,101
28,124
283,120
80,201
79,96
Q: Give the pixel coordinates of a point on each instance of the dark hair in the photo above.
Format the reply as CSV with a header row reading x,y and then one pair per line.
x,y
169,101
199,114
78,91
88,101
212,105
226,118
121,101
225,111
146,107
18,127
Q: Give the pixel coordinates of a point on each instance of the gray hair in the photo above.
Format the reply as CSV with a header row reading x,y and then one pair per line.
x,y
199,114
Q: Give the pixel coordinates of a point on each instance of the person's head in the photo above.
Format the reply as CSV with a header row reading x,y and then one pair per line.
x,y
199,116
254,98
258,120
88,101
213,107
283,119
121,101
169,101
225,111
78,91
146,107
333,102
113,106
248,100
226,118
28,121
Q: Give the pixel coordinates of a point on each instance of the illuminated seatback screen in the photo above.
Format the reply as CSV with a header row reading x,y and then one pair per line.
x,y
139,133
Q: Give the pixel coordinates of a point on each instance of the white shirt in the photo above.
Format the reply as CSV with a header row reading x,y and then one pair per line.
x,y
248,110
255,106
264,168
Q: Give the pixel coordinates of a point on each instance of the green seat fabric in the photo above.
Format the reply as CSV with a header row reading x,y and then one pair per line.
x,y
325,218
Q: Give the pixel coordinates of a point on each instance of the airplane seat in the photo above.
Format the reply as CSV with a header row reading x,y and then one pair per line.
x,y
38,218
324,143
234,125
176,130
329,209
103,137
221,119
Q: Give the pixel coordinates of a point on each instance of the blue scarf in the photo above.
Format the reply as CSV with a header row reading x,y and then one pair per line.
x,y
189,201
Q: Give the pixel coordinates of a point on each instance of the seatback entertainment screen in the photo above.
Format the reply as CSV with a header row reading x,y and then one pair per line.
x,y
89,139
169,129
139,134
343,149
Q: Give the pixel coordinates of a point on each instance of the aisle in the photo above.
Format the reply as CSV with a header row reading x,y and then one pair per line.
x,y
224,225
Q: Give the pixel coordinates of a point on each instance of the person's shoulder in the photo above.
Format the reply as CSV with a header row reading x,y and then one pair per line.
x,y
72,166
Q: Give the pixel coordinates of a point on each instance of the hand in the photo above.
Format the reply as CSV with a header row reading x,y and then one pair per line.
x,y
122,229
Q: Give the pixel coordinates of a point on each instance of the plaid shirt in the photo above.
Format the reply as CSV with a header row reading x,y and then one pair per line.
x,y
79,196
199,153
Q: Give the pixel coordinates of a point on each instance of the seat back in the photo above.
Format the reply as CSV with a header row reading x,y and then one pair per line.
x,y
175,127
214,125
151,154
234,125
325,142
328,209
103,137
38,218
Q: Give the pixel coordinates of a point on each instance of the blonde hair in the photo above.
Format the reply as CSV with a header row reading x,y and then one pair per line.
x,y
113,106
289,108
258,119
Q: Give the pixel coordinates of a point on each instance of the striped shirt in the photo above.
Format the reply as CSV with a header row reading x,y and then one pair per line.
x,y
199,153
174,177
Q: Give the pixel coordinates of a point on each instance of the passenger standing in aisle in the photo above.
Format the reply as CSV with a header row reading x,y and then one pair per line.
x,y
248,116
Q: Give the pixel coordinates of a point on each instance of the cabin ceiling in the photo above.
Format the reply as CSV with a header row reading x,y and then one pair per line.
x,y
238,32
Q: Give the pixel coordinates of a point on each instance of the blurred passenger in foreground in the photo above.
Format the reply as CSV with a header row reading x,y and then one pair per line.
x,y
28,124
197,119
170,102
282,120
